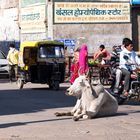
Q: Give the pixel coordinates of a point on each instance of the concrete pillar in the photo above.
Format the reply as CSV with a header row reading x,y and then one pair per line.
x,y
50,18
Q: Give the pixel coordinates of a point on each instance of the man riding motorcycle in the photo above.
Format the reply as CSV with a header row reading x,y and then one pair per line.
x,y
128,62
115,60
116,71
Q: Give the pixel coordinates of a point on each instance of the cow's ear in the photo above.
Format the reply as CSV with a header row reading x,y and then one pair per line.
x,y
87,84
84,83
87,78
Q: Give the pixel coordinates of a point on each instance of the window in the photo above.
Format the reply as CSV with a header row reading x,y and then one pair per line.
x,y
50,51
2,56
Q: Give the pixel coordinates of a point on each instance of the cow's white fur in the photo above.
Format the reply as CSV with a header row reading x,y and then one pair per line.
x,y
92,101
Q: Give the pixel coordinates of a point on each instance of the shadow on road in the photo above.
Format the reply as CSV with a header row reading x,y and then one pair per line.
x,y
38,99
33,100
6,125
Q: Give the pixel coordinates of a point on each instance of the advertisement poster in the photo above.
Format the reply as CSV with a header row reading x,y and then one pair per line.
x,y
25,3
32,19
87,12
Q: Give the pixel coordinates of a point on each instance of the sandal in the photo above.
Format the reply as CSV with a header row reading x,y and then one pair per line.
x,y
124,95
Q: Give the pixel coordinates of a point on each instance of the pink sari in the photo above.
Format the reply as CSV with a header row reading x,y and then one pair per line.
x,y
83,59
74,68
74,71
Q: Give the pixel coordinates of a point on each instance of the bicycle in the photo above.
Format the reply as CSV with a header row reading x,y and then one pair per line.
x,y
105,74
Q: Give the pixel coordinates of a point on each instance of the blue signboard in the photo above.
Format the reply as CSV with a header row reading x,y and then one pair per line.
x,y
68,42
135,1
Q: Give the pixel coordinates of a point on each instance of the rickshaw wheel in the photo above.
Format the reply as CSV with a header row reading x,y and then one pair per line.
x,y
56,85
50,85
20,83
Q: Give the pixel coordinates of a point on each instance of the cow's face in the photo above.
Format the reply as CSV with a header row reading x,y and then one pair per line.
x,y
76,88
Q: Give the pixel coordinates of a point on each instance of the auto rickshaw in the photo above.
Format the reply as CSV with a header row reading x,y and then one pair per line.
x,y
41,62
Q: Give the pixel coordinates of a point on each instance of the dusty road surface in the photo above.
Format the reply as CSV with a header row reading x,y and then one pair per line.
x,y
28,114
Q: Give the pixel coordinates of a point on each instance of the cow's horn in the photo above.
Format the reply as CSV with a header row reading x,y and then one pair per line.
x,y
87,72
79,71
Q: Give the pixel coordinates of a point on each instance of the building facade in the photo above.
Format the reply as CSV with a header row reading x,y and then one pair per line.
x,y
95,22
103,28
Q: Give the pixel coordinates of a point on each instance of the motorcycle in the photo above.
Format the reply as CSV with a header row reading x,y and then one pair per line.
x,y
134,92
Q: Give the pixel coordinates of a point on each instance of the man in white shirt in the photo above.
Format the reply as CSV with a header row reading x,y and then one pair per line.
x,y
128,62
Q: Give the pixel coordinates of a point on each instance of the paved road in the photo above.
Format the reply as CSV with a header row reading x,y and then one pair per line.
x,y
28,114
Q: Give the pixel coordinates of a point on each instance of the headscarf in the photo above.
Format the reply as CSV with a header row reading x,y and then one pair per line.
x,y
83,59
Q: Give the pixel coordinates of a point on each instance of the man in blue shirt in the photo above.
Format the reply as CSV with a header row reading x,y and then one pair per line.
x,y
128,62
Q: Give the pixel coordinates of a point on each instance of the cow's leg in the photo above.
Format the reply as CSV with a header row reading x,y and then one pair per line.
x,y
76,108
96,105
78,111
59,114
74,112
76,118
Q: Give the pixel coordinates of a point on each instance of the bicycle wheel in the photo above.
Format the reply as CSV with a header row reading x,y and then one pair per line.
x,y
107,76
102,76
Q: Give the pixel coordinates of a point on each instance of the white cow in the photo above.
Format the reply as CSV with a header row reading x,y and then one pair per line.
x,y
91,102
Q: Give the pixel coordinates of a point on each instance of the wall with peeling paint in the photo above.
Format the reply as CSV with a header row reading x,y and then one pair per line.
x,y
95,34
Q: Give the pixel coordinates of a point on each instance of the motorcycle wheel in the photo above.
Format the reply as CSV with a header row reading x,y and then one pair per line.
x,y
50,85
120,100
20,83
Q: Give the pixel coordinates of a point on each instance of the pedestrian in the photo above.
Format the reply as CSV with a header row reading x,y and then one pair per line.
x,y
75,66
66,60
12,58
102,55
83,59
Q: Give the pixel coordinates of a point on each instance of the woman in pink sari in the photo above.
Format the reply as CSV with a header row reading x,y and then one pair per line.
x,y
74,67
83,59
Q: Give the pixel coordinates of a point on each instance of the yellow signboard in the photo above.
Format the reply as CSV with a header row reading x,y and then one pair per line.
x,y
32,19
95,12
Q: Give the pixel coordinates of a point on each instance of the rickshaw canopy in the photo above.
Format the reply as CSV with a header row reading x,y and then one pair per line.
x,y
37,43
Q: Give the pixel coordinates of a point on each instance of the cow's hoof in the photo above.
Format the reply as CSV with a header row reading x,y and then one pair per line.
x,y
57,114
85,116
75,118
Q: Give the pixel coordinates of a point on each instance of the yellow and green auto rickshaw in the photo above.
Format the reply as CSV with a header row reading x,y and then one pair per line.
x,y
41,62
